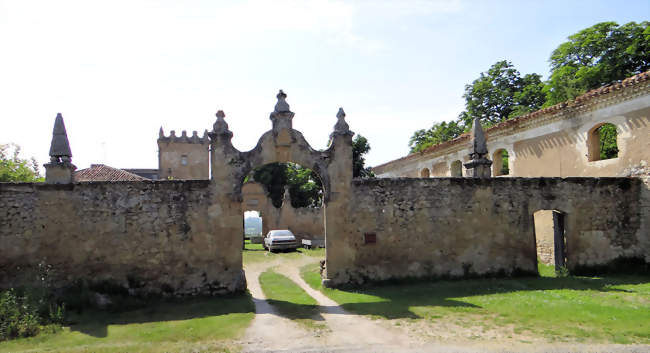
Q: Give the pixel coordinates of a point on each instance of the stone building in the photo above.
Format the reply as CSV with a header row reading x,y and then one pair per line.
x,y
559,141
183,157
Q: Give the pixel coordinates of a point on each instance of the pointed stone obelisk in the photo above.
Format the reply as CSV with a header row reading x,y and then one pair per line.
x,y
60,170
479,165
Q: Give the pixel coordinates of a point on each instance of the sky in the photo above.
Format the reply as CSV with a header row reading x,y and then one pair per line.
x,y
119,70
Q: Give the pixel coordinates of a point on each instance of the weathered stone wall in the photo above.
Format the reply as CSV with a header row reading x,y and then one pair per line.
x,y
545,237
461,226
147,236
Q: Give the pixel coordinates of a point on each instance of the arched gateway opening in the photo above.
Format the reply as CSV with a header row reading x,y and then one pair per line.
x,y
290,198
281,144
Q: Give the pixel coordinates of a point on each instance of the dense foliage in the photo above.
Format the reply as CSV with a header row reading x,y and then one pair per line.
x,y
15,169
360,147
595,56
304,185
25,311
598,55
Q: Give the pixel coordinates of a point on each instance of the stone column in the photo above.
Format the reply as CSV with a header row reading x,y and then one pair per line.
x,y
60,170
478,166
337,209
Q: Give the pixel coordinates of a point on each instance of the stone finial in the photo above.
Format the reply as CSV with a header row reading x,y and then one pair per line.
x,y
282,106
195,137
287,197
205,135
478,142
161,133
478,166
220,127
60,170
60,147
341,126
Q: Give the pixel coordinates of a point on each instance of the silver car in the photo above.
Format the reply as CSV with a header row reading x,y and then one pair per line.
x,y
280,240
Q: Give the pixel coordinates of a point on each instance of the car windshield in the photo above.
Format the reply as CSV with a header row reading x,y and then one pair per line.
x,y
280,233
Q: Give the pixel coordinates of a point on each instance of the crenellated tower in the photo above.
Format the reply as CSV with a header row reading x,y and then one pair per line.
x,y
183,157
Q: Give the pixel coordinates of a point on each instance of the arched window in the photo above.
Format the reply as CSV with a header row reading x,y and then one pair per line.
x,y
500,163
457,169
602,142
424,173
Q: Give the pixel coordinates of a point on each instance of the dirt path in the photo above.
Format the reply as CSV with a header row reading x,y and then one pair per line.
x,y
270,332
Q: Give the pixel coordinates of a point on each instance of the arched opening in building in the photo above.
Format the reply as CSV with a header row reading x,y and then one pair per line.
x,y
500,163
424,173
602,142
550,241
456,168
289,197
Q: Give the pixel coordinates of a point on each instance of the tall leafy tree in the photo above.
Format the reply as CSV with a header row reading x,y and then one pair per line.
x,y
600,54
438,133
500,94
360,147
15,169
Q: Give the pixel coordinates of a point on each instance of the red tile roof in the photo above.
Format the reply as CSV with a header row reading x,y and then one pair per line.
x,y
100,172
580,100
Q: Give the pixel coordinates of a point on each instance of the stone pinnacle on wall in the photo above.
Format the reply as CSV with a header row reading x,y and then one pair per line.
x,y
60,147
341,125
479,165
60,170
282,106
282,116
220,127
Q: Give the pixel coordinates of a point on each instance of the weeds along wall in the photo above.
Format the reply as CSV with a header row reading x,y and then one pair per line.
x,y
455,227
147,236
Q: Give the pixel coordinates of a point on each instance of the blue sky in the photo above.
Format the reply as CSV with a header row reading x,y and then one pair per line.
x,y
118,70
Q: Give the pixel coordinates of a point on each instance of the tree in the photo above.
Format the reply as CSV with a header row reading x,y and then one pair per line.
x,y
15,169
500,94
598,55
438,133
497,95
360,146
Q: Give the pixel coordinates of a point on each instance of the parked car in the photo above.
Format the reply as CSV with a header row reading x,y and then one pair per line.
x,y
280,240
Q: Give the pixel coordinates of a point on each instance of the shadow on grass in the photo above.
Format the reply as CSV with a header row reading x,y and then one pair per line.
x,y
95,322
393,300
295,311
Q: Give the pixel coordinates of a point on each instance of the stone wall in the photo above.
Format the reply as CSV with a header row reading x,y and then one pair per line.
x,y
545,237
459,226
146,236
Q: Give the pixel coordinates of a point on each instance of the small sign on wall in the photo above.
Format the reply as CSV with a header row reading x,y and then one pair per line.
x,y
369,238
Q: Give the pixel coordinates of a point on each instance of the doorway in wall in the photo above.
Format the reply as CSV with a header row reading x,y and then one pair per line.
x,y
550,241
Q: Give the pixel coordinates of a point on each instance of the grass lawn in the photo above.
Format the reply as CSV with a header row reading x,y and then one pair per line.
x,y
192,325
255,253
585,309
290,300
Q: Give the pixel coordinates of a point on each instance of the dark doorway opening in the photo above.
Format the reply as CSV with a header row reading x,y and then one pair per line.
x,y
550,240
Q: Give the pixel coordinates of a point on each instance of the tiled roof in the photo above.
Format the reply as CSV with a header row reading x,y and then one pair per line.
x,y
100,172
580,100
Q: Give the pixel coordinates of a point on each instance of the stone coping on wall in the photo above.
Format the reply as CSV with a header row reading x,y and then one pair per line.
x,y
613,93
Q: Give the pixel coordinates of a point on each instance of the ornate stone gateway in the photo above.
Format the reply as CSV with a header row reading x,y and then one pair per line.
x,y
282,144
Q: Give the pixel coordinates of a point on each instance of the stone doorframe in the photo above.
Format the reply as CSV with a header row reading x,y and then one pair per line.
x,y
282,144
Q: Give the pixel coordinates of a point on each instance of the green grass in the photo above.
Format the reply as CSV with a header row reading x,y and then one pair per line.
x,y
197,324
290,300
254,253
587,309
